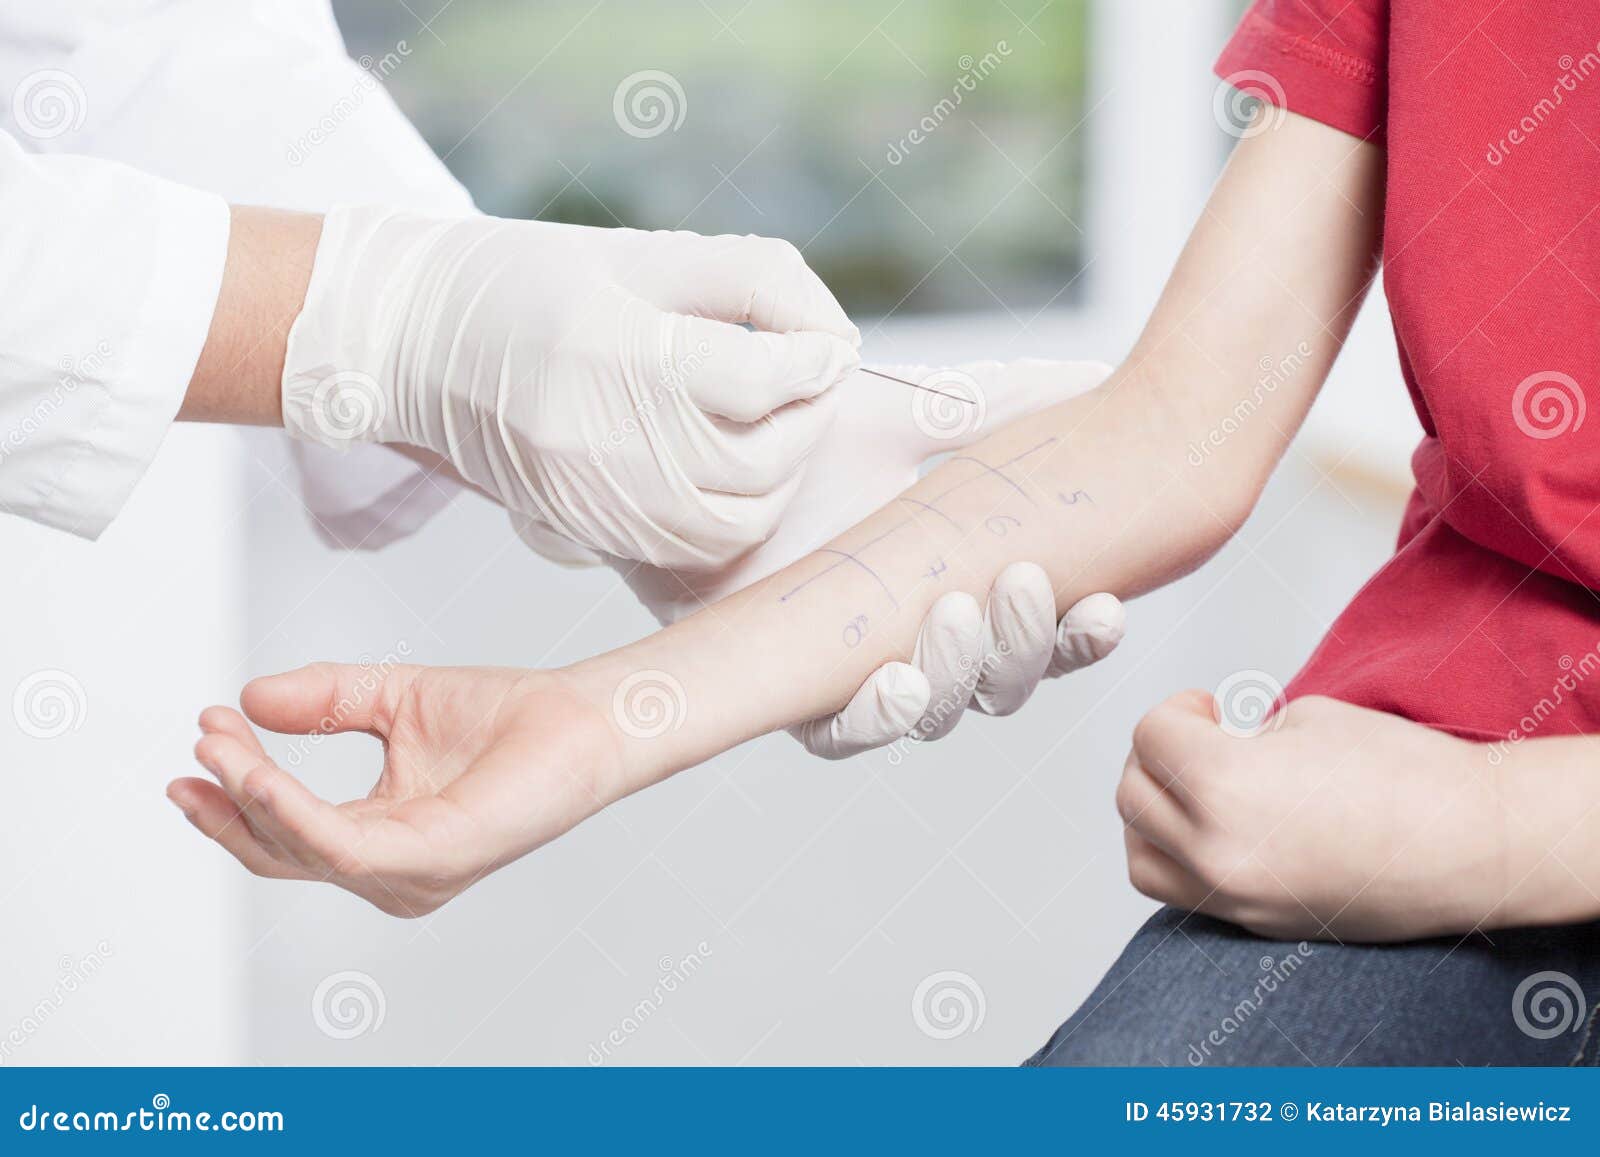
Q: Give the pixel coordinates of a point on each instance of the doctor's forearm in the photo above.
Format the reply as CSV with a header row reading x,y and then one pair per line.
x,y
239,376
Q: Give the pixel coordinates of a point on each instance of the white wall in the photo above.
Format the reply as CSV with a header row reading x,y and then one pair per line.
x,y
123,932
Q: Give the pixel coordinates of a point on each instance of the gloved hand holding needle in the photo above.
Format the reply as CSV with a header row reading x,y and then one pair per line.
x,y
521,350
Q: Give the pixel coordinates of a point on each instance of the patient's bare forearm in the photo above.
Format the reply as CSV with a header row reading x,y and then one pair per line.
x,y
1121,489
1091,492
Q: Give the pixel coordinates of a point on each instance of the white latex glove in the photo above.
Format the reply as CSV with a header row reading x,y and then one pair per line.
x,y
990,658
598,382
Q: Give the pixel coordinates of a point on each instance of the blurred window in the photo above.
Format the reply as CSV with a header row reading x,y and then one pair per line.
x,y
927,155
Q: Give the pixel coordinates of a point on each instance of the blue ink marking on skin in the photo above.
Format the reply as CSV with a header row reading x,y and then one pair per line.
x,y
997,473
932,509
859,626
988,469
846,557
1075,496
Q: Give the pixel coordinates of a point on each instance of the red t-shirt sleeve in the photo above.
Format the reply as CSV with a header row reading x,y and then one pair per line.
x,y
1323,59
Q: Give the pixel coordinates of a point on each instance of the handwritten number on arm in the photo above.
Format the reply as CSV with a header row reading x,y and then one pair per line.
x,y
999,525
855,630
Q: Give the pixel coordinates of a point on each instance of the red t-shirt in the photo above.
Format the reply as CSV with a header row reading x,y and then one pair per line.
x,y
1485,622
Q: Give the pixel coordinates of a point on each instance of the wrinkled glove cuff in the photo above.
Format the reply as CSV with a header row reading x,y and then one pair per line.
x,y
335,366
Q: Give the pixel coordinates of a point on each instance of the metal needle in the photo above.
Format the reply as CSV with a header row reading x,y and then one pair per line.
x,y
919,386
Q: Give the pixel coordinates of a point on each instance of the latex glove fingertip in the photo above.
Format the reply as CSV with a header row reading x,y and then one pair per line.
x,y
1019,629
949,653
1089,631
885,708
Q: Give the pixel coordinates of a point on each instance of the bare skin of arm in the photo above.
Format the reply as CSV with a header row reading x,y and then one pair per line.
x,y
238,378
1103,491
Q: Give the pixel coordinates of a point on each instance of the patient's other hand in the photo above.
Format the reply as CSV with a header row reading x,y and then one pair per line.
x,y
481,765
1323,821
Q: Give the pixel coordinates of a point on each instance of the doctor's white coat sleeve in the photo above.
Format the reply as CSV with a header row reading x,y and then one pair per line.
x,y
262,104
108,281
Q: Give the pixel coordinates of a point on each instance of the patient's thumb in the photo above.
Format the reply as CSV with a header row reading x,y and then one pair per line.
x,y
323,697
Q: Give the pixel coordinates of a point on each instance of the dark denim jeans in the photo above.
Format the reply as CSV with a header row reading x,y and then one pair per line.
x,y
1189,990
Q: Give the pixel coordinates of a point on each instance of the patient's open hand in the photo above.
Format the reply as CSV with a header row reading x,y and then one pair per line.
x,y
481,765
